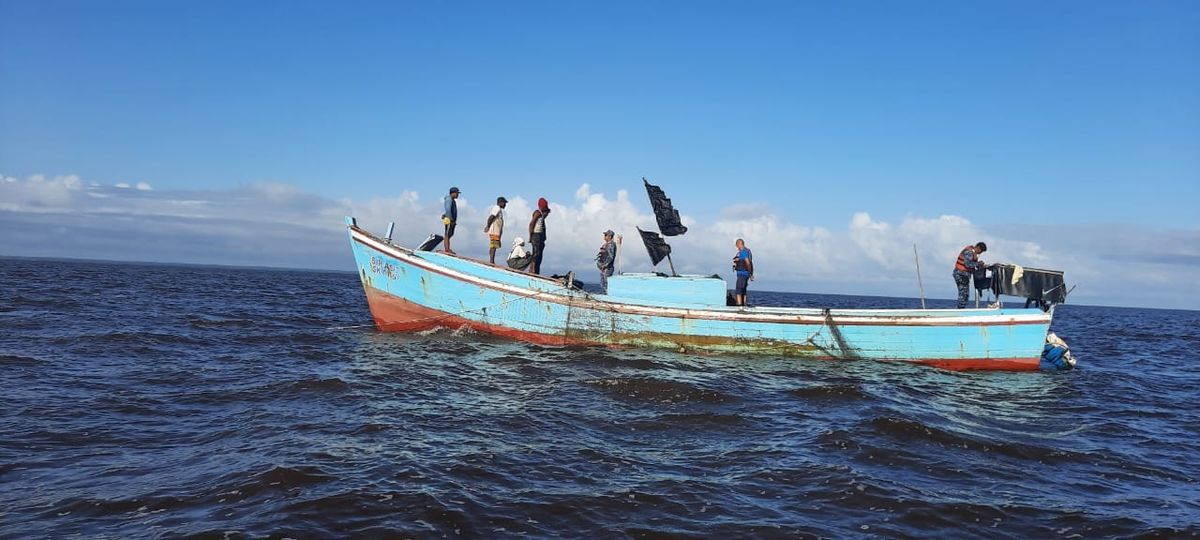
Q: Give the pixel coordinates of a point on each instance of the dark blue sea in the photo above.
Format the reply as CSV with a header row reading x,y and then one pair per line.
x,y
146,401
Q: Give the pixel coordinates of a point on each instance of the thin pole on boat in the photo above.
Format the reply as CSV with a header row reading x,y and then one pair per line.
x,y
672,265
919,282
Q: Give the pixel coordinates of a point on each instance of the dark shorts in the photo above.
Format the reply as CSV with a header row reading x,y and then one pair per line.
x,y
450,229
740,288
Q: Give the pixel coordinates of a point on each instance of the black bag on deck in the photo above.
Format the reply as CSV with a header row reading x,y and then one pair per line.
x,y
983,282
430,243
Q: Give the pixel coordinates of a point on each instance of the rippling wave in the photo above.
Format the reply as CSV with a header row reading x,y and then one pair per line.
x,y
175,401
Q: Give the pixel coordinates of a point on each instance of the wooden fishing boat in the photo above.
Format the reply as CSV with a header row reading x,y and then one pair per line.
x,y
410,289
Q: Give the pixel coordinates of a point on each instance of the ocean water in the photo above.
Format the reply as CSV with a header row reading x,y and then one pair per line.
x,y
169,401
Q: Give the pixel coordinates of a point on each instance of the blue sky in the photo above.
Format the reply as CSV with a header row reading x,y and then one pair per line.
x,y
1032,117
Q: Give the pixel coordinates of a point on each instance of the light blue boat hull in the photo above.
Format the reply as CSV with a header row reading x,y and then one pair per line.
x,y
413,290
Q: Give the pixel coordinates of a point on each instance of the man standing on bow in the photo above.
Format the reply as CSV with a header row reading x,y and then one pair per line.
x,y
606,259
967,263
495,227
450,216
537,234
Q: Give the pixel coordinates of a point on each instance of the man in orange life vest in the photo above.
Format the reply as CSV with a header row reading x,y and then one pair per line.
x,y
968,262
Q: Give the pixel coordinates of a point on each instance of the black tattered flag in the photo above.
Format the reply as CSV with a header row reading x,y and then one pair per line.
x,y
655,245
667,216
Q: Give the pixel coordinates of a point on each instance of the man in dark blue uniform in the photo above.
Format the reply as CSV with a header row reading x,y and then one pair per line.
x,y
450,216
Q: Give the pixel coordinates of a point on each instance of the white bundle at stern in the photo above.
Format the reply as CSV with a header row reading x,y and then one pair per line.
x,y
1057,354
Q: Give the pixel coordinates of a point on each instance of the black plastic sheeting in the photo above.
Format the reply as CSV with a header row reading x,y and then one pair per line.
x,y
666,215
655,245
1043,286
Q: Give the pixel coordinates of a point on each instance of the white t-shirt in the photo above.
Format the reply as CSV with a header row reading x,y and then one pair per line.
x,y
497,226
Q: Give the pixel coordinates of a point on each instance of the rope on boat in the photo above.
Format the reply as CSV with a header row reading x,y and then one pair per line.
x,y
846,351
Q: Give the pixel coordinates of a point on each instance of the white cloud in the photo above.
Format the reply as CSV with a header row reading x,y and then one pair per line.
x,y
277,224
38,193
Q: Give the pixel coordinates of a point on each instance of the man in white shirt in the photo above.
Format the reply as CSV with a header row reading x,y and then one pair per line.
x,y
495,227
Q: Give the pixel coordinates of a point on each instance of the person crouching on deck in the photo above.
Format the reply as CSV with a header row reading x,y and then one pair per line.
x,y
495,227
968,262
518,258
743,266
606,259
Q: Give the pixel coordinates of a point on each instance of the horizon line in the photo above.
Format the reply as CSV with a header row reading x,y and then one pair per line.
x,y
335,271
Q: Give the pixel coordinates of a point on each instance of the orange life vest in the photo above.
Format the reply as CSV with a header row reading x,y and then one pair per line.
x,y
961,263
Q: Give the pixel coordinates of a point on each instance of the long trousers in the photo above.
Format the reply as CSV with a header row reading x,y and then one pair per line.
x,y
538,241
963,280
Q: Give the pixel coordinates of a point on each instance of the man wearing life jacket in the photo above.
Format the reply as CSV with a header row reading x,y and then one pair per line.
x,y
606,259
968,262
743,266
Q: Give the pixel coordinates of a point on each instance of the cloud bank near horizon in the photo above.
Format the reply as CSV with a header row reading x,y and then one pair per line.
x,y
276,224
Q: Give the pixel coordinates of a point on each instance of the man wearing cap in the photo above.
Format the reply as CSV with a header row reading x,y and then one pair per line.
x,y
537,234
450,216
495,227
606,259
